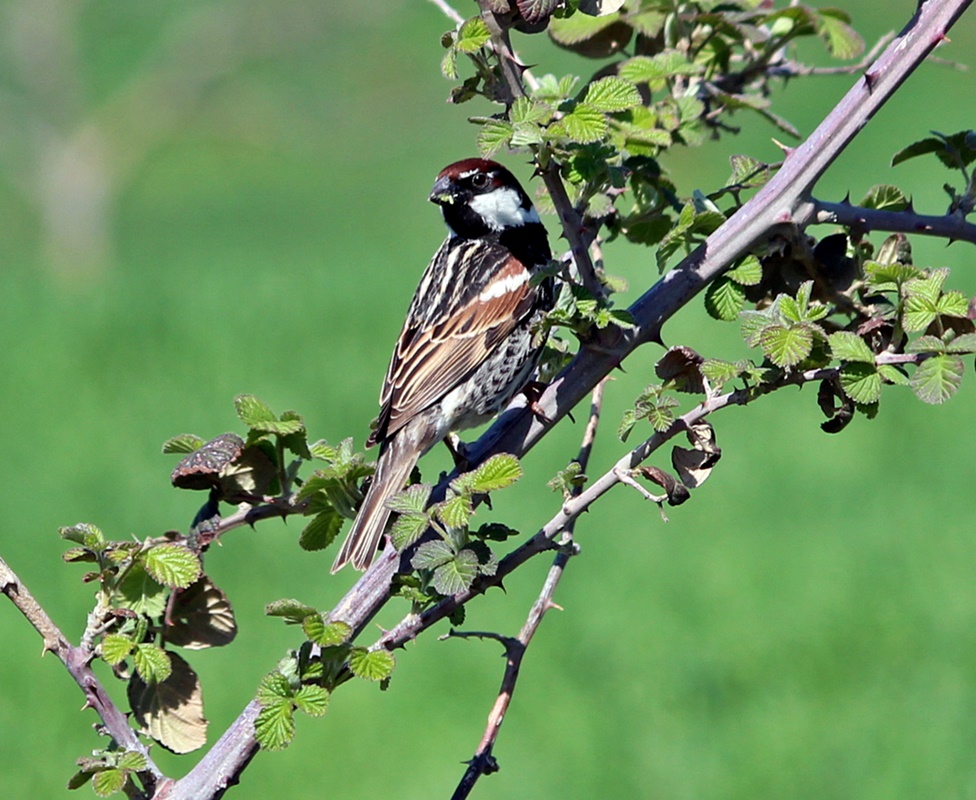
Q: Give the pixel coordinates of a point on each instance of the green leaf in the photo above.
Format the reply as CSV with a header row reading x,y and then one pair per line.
x,y
407,529
184,443
747,273
786,346
848,346
962,344
132,760
274,688
457,574
724,299
612,94
498,472
954,151
937,379
291,610
747,172
655,69
583,125
860,382
718,372
926,344
115,647
661,416
569,479
274,727
841,39
252,411
456,511
892,374
139,592
321,530
953,304
412,500
494,135
919,313
172,565
432,554
313,700
108,782
152,663
753,324
372,665
84,534
579,27
472,35
627,423
885,197
325,634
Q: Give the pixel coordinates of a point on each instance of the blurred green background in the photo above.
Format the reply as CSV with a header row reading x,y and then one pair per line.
x,y
204,199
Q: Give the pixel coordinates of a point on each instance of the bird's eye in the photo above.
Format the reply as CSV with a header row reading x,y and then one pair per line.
x,y
480,180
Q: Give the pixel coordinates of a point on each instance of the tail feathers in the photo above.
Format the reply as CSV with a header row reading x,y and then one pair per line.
x,y
392,472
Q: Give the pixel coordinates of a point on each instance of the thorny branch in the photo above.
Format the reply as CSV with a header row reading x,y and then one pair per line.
x,y
483,762
77,661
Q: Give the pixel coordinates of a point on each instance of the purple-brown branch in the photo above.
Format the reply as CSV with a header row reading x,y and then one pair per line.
x,y
77,660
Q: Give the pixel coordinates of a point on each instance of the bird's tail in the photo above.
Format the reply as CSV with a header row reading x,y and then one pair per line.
x,y
392,471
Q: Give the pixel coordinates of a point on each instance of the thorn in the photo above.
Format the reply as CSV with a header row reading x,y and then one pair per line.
x,y
555,606
870,79
847,199
784,147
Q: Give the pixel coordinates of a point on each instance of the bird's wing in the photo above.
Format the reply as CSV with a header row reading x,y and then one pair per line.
x,y
471,297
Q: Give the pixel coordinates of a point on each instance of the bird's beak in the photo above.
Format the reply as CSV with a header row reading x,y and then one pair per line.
x,y
443,193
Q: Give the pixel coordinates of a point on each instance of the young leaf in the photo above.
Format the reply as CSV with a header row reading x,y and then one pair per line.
x,y
372,665
291,610
457,574
250,410
321,530
325,634
786,346
139,592
313,700
612,94
494,135
885,197
724,299
274,727
472,35
132,761
432,554
183,443
115,647
152,663
84,534
172,565
407,529
860,382
848,346
108,781
937,379
412,500
274,688
747,273
498,472
583,125
456,511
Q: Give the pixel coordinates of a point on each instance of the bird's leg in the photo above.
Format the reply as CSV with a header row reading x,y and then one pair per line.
x,y
458,451
533,392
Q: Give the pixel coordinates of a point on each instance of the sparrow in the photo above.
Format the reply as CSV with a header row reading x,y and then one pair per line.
x,y
468,344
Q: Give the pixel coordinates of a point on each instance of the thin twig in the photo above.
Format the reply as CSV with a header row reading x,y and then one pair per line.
x,y
953,227
77,661
483,762
448,11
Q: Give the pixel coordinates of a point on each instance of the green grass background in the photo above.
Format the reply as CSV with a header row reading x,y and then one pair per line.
x,y
803,628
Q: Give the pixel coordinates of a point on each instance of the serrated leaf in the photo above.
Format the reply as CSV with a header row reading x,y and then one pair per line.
x,y
953,304
937,379
432,554
183,443
494,135
456,511
584,124
885,197
747,273
407,529
152,663
292,610
724,299
848,346
966,343
139,592
280,427
132,760
719,372
325,634
201,617
747,172
661,417
612,94
953,151
108,782
371,665
627,423
860,382
84,534
312,700
578,28
76,554
652,69
892,374
274,727
115,647
841,39
786,346
321,530
752,325
171,712
498,472
926,344
172,565
412,500
251,410
457,574
274,688
472,35
919,313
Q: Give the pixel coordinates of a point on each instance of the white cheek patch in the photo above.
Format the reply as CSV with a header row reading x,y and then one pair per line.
x,y
502,209
509,283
